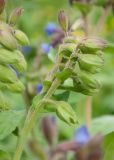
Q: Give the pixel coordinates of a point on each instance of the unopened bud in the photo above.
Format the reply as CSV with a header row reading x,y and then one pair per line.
x,y
66,113
7,40
15,15
63,20
92,44
4,104
21,37
2,5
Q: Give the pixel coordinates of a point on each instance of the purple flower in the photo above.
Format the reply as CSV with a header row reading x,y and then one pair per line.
x,y
26,49
50,28
82,135
39,87
46,47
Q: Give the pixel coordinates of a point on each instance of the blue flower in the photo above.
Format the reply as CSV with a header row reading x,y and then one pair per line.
x,y
82,135
39,87
50,28
45,47
26,49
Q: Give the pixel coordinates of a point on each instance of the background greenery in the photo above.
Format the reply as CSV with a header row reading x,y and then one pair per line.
x,y
37,13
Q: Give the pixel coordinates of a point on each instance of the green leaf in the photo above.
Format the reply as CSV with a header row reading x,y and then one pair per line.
x,y
9,120
109,147
4,155
64,96
104,124
63,75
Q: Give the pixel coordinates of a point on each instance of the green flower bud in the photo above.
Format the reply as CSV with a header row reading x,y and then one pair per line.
x,y
15,15
70,39
5,27
63,20
84,89
14,58
21,37
7,74
21,65
87,79
13,87
4,104
7,40
17,87
91,45
67,49
2,5
90,63
66,113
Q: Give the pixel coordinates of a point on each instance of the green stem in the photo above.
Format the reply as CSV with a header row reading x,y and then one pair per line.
x,y
31,118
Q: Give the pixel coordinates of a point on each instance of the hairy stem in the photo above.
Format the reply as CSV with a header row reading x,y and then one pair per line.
x,y
31,118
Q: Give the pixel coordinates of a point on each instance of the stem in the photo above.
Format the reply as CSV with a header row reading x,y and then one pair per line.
x,y
31,118
88,111
101,21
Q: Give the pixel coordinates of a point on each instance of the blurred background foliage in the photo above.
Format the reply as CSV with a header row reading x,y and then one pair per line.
x,y
37,13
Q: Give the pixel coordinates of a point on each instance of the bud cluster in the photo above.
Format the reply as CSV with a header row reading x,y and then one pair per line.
x,y
12,60
80,61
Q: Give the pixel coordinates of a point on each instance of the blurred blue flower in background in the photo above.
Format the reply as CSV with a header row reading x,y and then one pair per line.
x,y
26,49
46,47
39,87
82,135
50,28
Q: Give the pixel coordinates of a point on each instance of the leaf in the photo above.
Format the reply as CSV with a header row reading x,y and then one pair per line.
x,y
109,147
63,75
64,96
104,124
4,155
9,120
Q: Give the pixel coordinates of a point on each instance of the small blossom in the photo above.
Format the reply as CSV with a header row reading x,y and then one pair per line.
x,y
45,47
39,88
82,135
50,28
